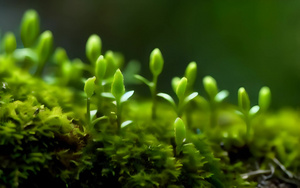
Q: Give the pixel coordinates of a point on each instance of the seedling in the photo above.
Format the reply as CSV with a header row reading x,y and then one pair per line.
x,y
215,97
93,48
89,89
249,113
118,91
180,91
180,134
30,28
156,66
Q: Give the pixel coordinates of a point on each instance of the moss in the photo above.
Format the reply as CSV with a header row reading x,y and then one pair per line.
x,y
49,132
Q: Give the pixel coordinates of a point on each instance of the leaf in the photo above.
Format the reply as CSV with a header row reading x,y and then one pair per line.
x,y
142,79
126,96
253,111
221,95
107,95
98,119
190,97
125,123
92,114
168,98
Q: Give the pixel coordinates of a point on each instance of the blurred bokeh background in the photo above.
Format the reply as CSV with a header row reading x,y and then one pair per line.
x,y
239,43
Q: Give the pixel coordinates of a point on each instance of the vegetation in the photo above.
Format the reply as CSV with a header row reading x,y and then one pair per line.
x,y
74,124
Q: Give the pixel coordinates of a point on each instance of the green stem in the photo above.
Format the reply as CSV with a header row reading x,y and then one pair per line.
x,y
119,114
88,114
153,93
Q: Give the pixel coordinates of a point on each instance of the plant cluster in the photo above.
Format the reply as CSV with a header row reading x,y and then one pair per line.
x,y
77,126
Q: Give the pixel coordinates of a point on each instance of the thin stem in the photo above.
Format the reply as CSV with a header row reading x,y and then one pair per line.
x,y
88,114
119,114
153,93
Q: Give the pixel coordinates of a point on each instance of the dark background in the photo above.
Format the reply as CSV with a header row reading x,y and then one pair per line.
x,y
240,43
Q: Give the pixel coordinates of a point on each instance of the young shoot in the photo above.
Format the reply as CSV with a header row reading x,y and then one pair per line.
x,y
156,66
191,75
118,91
180,91
93,48
89,89
180,134
30,28
10,43
43,50
247,112
215,97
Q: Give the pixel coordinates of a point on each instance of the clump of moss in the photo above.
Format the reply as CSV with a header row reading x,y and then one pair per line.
x,y
89,132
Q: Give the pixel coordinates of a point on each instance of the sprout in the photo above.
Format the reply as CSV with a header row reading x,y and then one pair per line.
x,y
100,67
89,87
30,28
264,99
10,43
181,88
180,134
156,62
117,86
60,56
243,100
44,49
210,86
93,48
175,82
191,75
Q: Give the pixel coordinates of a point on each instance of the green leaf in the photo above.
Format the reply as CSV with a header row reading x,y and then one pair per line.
x,y
93,48
142,79
126,96
168,98
264,99
100,67
44,47
190,97
180,131
191,74
156,62
30,28
243,100
181,88
253,111
126,123
10,43
117,86
210,86
60,56
107,95
175,82
221,96
89,86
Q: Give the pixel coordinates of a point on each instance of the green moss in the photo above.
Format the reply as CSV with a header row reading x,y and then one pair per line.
x,y
48,133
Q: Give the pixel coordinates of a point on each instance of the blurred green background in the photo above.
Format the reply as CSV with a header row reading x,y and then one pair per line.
x,y
240,43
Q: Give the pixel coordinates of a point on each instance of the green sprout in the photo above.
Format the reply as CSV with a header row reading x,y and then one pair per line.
x,y
89,89
215,97
156,66
93,48
191,75
264,99
118,91
180,134
10,43
180,91
43,50
30,28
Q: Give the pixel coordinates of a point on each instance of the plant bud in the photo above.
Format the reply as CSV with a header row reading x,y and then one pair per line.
x,y
264,99
93,48
60,56
10,43
89,87
156,62
100,67
30,28
175,82
210,86
180,131
117,86
243,100
181,88
191,73
44,46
